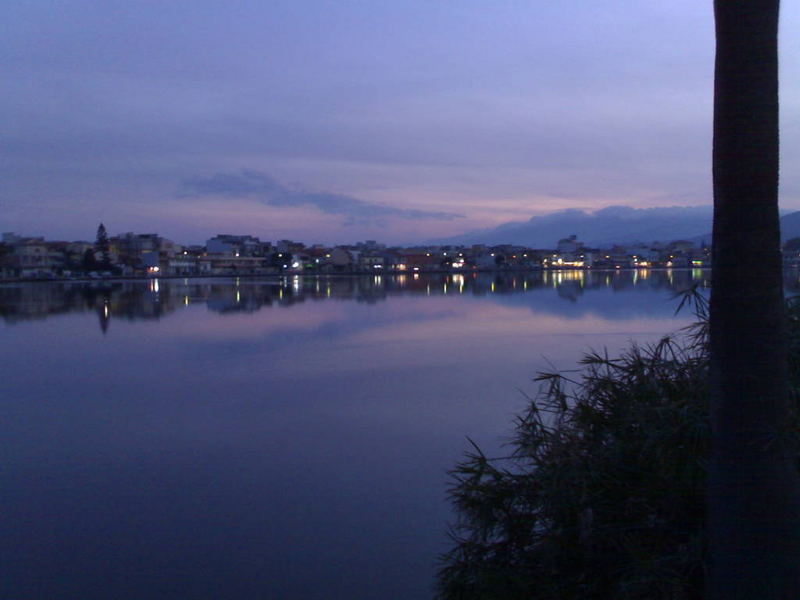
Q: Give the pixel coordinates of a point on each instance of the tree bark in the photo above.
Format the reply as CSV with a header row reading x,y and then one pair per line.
x,y
754,487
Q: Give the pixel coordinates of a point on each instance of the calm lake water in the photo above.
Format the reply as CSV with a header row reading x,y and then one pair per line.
x,y
287,438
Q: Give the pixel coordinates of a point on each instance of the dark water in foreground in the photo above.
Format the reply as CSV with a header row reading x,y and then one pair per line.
x,y
272,439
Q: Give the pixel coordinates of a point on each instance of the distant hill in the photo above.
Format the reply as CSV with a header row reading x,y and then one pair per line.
x,y
614,224
790,226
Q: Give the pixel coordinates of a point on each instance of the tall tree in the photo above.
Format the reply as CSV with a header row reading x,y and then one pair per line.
x,y
754,488
102,246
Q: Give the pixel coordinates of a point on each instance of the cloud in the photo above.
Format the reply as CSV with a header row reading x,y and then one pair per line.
x,y
258,185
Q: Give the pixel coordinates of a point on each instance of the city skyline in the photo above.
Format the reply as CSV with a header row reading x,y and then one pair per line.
x,y
334,122
618,223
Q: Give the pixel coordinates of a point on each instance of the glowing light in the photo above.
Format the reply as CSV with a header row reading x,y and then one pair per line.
x,y
295,264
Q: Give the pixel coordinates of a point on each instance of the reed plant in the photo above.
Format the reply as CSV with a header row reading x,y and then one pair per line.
x,y
602,492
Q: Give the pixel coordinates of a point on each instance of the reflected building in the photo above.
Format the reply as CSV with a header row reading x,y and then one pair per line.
x,y
156,298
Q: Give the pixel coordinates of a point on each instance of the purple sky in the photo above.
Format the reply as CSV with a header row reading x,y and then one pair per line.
x,y
341,120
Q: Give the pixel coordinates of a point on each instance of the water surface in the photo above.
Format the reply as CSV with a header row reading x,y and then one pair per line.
x,y
283,438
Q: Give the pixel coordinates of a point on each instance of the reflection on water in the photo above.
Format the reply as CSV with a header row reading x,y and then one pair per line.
x,y
157,298
279,439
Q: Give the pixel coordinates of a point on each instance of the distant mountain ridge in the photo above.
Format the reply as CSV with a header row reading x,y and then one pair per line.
x,y
790,226
610,225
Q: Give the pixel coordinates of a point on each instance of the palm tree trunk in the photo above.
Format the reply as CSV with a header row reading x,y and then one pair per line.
x,y
754,487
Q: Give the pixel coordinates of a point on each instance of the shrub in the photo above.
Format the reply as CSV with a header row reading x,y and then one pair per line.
x,y
603,492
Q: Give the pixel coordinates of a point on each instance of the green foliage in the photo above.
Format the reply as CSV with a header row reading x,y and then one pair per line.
x,y
603,493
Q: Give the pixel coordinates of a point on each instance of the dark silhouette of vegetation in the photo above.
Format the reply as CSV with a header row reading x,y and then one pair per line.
x,y
89,260
602,497
753,485
602,494
103,247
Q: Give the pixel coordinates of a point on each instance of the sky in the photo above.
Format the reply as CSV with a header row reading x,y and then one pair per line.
x,y
344,120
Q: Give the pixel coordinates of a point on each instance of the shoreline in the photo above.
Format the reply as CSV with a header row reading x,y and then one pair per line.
x,y
269,276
